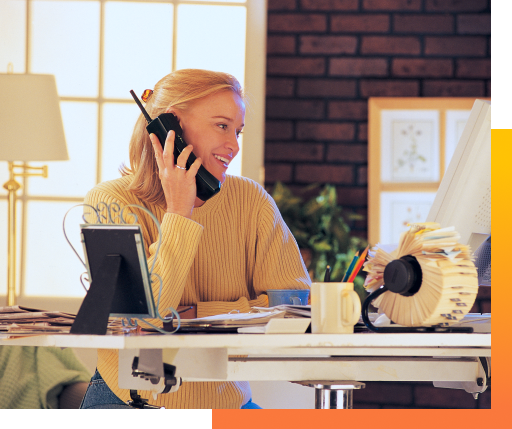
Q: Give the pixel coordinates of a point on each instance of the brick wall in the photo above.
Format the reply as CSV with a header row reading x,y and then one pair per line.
x,y
324,59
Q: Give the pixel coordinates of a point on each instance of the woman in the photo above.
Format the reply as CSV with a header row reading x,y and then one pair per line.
x,y
219,255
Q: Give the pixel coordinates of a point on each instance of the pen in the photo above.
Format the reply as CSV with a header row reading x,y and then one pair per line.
x,y
327,277
182,310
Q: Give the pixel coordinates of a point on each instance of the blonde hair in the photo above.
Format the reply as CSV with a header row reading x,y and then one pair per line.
x,y
178,89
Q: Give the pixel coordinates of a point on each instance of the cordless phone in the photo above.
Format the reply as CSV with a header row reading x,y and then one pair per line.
x,y
207,185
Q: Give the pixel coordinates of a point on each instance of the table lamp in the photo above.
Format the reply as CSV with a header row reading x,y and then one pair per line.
x,y
31,129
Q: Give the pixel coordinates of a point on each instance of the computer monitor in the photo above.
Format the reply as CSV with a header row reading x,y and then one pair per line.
x,y
463,199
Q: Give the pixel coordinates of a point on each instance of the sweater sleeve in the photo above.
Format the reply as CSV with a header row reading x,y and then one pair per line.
x,y
278,263
180,240
242,305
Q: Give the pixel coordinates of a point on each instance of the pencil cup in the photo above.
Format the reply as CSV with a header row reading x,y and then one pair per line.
x,y
335,308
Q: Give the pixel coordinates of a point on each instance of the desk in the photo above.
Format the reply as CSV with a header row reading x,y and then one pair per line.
x,y
448,360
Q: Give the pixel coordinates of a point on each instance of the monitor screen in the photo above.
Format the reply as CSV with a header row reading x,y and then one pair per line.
x,y
464,196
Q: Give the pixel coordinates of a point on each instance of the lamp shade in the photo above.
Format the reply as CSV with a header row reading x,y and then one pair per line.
x,y
31,126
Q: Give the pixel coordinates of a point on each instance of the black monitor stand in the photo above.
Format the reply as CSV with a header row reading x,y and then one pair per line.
x,y
92,318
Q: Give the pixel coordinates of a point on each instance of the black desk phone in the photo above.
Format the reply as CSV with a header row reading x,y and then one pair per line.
x,y
207,184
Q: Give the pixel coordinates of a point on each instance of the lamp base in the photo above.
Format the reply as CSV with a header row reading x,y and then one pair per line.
x,y
12,187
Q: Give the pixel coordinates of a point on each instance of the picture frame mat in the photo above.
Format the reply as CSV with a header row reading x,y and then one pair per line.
x,y
375,184
398,209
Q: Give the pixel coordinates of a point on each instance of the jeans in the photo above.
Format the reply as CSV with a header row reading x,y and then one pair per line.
x,y
99,396
250,406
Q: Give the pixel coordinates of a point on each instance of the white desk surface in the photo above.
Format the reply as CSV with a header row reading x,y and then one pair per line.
x,y
401,344
266,357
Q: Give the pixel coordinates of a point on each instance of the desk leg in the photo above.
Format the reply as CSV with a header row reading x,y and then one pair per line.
x,y
333,394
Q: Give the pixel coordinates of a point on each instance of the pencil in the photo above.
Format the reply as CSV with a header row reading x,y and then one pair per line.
x,y
358,265
351,266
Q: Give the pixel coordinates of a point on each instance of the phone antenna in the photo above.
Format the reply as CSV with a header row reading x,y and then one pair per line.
x,y
141,107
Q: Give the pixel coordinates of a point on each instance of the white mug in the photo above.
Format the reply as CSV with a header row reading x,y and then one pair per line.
x,y
335,308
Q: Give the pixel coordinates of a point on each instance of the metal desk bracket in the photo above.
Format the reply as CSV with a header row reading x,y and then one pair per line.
x,y
147,371
479,385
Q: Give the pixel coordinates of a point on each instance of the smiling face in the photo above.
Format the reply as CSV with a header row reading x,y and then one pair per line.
x,y
212,125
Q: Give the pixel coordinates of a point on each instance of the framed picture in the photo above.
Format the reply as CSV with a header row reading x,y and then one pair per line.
x,y
410,143
398,209
409,146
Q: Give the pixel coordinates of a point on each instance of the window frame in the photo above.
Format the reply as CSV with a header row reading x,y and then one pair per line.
x,y
254,132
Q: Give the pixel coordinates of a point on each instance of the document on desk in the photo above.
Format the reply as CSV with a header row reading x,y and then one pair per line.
x,y
234,319
289,325
37,316
18,318
290,310
481,323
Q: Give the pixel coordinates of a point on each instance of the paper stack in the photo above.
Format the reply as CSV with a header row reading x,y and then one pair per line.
x,y
290,310
233,319
19,319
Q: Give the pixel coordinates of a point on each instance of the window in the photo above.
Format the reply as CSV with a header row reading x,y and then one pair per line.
x,y
99,50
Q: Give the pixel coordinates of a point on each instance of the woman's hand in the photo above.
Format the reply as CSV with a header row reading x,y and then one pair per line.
x,y
178,183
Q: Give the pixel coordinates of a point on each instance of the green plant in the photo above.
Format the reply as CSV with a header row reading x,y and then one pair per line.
x,y
321,228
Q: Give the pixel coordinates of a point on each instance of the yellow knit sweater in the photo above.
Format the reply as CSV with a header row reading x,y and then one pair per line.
x,y
235,247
